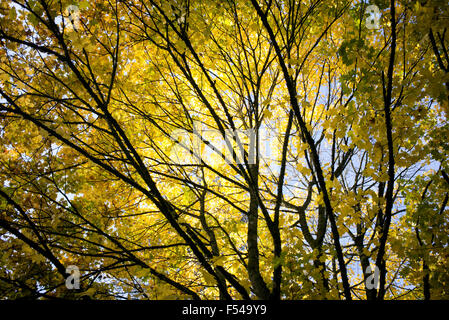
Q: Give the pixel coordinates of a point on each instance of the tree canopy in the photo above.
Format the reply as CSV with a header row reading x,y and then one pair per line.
x,y
246,149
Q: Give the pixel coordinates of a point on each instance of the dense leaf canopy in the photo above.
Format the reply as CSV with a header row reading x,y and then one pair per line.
x,y
247,149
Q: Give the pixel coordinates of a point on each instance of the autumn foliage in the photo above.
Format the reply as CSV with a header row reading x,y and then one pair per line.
x,y
341,191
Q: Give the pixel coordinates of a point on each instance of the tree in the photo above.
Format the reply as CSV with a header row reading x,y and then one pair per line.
x,y
224,150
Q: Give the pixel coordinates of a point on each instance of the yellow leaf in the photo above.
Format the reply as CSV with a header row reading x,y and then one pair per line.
x,y
267,113
218,261
208,277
